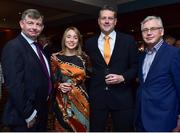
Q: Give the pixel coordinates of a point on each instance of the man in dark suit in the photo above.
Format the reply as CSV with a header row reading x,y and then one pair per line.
x,y
158,96
110,88
26,78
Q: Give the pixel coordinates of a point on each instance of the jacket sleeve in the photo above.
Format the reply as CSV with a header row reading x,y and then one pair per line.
x,y
175,69
131,72
13,69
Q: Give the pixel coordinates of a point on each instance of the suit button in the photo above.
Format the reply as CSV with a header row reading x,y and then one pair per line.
x,y
47,98
106,88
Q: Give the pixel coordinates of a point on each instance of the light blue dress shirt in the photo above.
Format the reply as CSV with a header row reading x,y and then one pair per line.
x,y
150,54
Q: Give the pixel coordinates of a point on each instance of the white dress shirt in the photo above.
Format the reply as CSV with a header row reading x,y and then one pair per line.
x,y
101,41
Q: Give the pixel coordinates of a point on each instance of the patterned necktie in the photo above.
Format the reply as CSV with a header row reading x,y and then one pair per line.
x,y
107,49
41,58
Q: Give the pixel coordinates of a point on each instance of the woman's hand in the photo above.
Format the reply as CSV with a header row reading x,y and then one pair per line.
x,y
65,87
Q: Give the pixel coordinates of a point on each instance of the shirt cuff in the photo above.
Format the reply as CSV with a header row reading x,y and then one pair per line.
x,y
31,117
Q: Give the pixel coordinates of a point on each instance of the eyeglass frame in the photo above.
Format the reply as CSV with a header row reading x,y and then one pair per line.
x,y
152,29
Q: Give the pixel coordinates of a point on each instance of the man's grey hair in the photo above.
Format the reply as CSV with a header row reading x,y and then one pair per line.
x,y
151,18
32,13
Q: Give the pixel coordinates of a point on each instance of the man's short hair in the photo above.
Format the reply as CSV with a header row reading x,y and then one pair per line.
x,y
32,13
108,7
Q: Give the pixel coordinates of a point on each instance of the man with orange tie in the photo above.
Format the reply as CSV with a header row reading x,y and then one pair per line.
x,y
114,66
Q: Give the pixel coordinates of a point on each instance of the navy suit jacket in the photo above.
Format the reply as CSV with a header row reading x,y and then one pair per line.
x,y
25,80
158,98
123,62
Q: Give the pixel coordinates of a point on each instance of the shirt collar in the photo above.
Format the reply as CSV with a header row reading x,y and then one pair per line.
x,y
30,41
155,48
111,35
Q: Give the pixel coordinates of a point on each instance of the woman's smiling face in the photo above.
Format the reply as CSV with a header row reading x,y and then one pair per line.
x,y
71,40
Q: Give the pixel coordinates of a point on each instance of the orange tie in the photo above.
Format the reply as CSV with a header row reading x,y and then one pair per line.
x,y
107,49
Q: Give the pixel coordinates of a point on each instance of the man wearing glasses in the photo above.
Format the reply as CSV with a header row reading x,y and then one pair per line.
x,y
158,96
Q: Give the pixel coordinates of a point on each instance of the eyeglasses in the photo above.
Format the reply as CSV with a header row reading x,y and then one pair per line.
x,y
152,29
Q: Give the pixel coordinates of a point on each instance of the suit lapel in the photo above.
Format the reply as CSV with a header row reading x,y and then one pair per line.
x,y
142,57
95,49
115,51
97,52
28,50
157,58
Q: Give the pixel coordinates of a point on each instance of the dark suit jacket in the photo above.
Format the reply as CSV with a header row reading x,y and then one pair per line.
x,y
124,62
158,98
25,80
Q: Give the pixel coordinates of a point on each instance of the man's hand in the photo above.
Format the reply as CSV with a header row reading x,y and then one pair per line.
x,y
114,79
177,129
31,123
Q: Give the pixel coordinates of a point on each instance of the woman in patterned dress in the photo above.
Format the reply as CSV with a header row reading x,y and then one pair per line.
x,y
71,107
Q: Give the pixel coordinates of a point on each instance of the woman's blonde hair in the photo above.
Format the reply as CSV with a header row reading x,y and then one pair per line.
x,y
79,45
